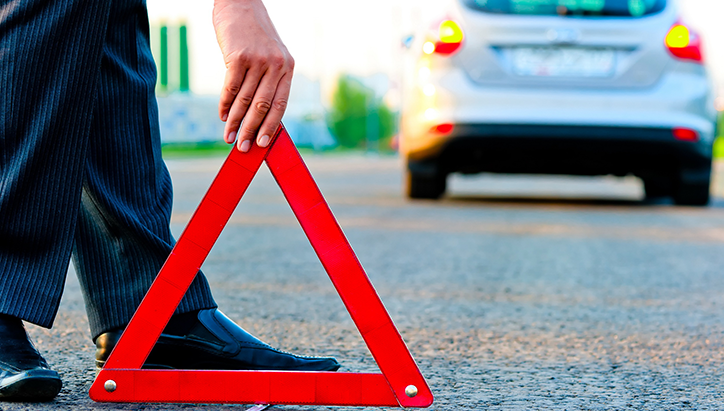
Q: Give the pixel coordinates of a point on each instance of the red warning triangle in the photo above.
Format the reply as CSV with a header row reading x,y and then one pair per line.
x,y
399,384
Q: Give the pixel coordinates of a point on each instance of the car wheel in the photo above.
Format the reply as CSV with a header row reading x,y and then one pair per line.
x,y
657,186
694,193
424,186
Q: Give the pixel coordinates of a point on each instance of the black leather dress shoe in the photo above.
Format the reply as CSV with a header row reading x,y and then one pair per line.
x,y
24,374
209,340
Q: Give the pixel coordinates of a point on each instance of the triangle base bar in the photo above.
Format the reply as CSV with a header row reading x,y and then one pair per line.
x,y
244,387
399,384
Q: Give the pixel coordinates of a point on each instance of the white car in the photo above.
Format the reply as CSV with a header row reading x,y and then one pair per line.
x,y
581,87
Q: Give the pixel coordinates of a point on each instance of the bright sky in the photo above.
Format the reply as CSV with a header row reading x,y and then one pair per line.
x,y
327,37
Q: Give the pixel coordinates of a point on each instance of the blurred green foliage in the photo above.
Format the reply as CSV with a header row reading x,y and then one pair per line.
x,y
358,118
195,149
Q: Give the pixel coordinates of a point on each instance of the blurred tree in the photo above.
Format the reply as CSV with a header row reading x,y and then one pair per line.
x,y
359,118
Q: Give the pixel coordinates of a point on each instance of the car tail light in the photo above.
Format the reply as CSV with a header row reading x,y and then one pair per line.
x,y
684,43
449,39
686,134
444,128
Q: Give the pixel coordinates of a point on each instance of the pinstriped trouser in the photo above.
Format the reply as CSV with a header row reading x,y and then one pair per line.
x,y
80,164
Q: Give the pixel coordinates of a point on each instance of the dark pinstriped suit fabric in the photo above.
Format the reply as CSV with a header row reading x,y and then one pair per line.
x,y
80,163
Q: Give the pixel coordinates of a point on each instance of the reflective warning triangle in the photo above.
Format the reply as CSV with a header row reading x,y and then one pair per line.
x,y
400,382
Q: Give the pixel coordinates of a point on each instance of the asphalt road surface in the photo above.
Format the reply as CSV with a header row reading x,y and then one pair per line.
x,y
513,292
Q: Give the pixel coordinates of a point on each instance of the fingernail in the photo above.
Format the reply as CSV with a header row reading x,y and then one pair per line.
x,y
263,141
231,137
245,146
224,117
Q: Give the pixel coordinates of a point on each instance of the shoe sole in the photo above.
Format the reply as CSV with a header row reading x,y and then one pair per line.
x,y
215,366
100,364
32,386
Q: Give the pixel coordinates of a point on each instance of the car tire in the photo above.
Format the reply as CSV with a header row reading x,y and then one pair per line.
x,y
426,187
693,193
657,187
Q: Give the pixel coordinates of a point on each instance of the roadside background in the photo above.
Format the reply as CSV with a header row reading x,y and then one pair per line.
x,y
357,46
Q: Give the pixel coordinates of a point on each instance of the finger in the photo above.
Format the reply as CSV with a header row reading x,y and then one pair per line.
x,y
232,85
241,104
278,107
258,110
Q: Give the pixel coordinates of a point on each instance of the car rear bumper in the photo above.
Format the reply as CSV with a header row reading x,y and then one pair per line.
x,y
679,99
575,150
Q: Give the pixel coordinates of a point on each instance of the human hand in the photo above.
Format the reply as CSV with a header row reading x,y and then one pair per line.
x,y
258,72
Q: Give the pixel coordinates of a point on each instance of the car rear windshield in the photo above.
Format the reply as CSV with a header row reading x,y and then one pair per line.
x,y
593,8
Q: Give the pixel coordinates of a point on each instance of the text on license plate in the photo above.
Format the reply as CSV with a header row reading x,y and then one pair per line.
x,y
563,61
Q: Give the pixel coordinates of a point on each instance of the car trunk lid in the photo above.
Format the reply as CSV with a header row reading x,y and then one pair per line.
x,y
564,51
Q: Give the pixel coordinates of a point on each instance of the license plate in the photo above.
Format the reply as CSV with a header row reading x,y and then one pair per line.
x,y
563,61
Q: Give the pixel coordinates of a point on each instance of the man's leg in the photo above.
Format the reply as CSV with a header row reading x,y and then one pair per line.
x,y
49,65
123,235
